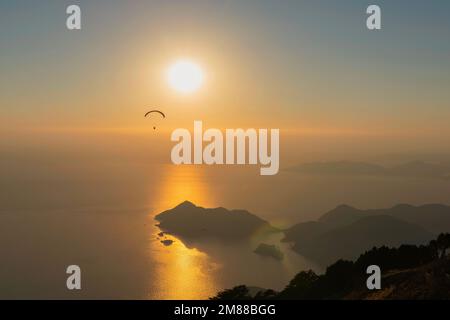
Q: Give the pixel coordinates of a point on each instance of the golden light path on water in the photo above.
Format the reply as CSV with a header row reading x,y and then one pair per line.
x,y
181,272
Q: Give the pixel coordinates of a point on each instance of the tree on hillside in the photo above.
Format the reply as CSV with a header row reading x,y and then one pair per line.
x,y
443,243
266,294
237,293
343,277
434,248
300,287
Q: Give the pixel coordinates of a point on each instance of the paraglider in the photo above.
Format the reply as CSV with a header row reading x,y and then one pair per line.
x,y
157,112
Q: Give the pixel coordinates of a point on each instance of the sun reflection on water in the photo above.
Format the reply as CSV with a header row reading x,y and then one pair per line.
x,y
182,272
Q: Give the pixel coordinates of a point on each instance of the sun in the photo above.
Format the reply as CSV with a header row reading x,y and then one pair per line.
x,y
185,76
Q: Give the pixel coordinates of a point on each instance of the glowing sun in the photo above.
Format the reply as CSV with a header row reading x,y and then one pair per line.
x,y
185,76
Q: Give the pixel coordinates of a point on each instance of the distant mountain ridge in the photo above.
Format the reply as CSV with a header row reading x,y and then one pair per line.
x,y
341,233
433,217
342,215
345,231
408,169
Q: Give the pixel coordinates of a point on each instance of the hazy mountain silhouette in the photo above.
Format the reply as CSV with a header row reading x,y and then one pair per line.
x,y
432,217
409,169
339,167
346,231
420,168
341,215
331,243
343,232
191,221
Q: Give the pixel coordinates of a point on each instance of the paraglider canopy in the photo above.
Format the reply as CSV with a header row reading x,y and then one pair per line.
x,y
155,111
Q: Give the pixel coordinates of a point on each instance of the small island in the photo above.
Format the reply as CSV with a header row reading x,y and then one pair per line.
x,y
270,251
167,242
189,220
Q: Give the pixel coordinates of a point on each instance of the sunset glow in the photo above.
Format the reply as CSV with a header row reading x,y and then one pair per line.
x,y
185,76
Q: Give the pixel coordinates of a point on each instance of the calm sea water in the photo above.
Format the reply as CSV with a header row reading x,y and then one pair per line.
x,y
100,216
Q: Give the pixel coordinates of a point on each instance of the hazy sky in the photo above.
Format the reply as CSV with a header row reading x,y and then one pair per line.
x,y
80,169
309,65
